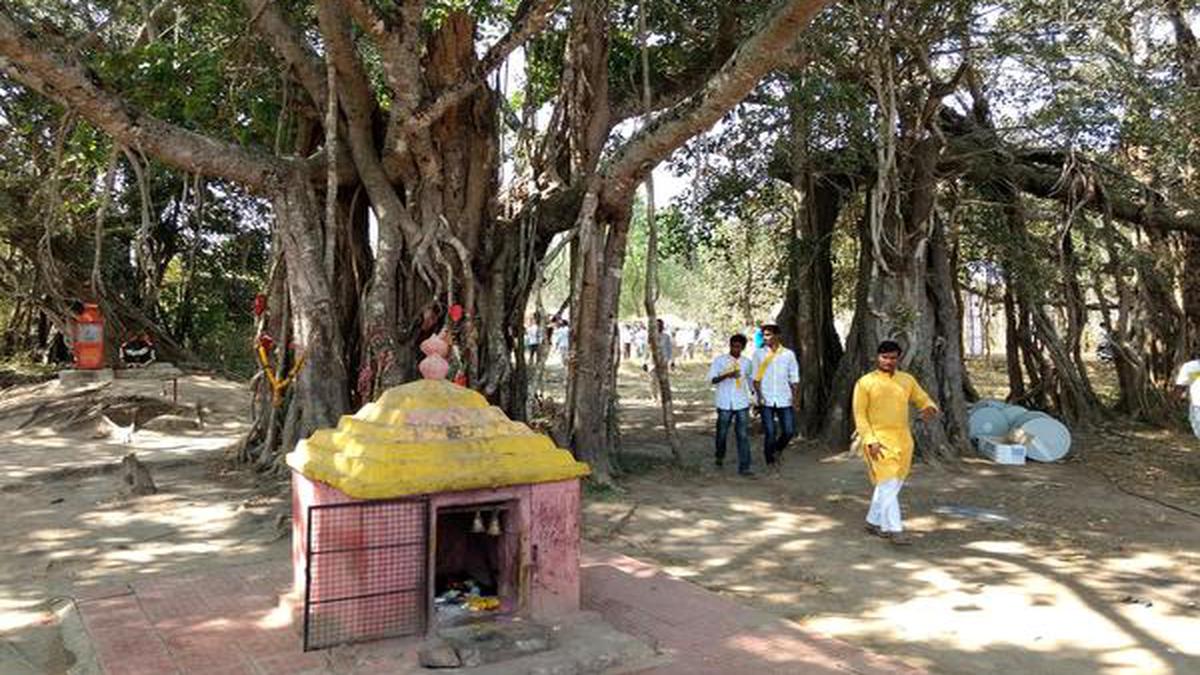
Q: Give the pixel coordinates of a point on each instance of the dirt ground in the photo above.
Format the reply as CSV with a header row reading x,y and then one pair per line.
x,y
1087,566
71,527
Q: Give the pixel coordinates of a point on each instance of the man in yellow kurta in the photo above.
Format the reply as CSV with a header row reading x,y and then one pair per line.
x,y
881,401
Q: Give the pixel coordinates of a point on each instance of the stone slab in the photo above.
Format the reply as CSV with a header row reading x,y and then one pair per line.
x,y
80,378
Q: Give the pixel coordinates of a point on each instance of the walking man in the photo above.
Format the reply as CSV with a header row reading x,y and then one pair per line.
x,y
1187,383
731,375
666,347
881,420
776,385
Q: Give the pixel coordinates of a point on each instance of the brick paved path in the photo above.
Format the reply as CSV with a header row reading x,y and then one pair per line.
x,y
232,621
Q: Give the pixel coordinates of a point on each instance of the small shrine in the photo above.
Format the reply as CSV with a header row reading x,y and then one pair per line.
x,y
429,508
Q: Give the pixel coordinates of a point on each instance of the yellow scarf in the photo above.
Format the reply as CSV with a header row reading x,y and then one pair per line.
x,y
762,367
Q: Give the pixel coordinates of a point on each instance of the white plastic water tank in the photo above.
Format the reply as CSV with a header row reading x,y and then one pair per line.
x,y
986,403
1012,412
1045,438
987,421
1026,416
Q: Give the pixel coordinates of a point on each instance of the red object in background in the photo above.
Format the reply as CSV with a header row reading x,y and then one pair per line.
x,y
456,312
461,379
266,342
260,304
88,335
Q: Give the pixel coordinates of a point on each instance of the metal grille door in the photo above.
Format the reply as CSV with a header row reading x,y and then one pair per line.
x,y
365,571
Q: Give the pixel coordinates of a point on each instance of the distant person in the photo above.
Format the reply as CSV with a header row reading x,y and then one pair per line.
x,y
641,338
666,349
705,338
1187,383
626,333
562,339
881,421
666,344
776,385
731,375
533,338
686,339
759,338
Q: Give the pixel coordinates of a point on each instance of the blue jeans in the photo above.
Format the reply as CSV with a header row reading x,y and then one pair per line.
x,y
779,428
741,430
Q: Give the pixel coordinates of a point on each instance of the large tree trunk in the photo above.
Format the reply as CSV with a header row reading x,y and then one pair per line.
x,y
905,294
1012,347
947,354
1187,54
322,388
1190,287
593,326
807,317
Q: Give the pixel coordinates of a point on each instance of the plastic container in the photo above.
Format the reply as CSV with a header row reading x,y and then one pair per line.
x,y
88,338
1030,415
1045,438
1000,451
1012,412
987,421
986,403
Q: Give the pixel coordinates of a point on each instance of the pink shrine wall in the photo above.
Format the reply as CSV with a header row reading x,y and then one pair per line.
x,y
547,516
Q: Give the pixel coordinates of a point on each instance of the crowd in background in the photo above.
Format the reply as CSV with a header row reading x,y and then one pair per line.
x,y
684,342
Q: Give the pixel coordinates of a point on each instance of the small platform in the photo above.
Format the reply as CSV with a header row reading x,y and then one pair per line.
x,y
159,370
81,378
72,377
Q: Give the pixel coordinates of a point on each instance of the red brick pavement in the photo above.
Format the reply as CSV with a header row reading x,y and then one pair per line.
x,y
706,633
237,620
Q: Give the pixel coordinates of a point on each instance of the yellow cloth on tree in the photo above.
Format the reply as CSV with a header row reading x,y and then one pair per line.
x,y
881,403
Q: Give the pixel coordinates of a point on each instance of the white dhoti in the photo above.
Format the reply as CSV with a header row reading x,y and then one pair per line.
x,y
1194,416
885,505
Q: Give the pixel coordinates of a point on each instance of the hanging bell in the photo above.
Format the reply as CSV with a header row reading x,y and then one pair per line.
x,y
477,525
494,526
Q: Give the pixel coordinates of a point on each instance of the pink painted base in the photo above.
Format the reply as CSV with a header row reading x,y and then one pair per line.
x,y
547,521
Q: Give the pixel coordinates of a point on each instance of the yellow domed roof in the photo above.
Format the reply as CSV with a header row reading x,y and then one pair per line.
x,y
430,436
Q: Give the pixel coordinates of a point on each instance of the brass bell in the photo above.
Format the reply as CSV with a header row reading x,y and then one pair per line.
x,y
494,526
477,525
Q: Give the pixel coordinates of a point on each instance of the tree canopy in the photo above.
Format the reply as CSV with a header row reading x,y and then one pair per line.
x,y
364,166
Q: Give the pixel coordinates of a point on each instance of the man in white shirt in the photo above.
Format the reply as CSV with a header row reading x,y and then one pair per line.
x,y
533,338
626,333
639,341
776,384
685,338
705,337
1187,383
666,345
730,373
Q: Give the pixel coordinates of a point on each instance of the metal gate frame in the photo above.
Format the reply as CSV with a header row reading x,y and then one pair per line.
x,y
420,554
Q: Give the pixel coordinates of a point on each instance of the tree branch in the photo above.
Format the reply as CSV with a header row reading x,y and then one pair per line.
x,y
399,48
66,80
768,48
531,17
672,89
979,154
355,96
290,45
155,15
